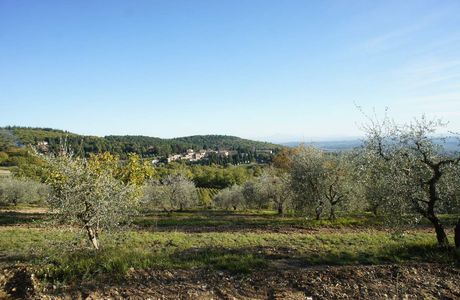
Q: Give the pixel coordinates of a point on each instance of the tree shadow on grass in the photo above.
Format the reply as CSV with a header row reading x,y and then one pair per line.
x,y
222,223
6,260
421,253
111,265
394,254
21,218
116,262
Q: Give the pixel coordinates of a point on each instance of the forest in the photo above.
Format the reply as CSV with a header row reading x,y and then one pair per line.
x,y
144,146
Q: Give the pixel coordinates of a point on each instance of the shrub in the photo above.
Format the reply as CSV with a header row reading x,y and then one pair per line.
x,y
14,191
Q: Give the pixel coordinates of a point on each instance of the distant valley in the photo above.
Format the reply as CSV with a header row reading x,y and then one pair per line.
x,y
451,144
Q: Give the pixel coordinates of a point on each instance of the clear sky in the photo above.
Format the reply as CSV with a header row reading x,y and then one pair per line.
x,y
277,70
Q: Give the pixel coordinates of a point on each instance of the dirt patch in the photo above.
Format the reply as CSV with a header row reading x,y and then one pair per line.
x,y
18,283
29,210
5,173
421,281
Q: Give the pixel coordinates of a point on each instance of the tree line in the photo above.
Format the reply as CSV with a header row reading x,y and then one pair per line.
x,y
13,136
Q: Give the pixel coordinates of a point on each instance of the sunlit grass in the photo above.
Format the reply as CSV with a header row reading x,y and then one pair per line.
x,y
236,252
248,218
241,242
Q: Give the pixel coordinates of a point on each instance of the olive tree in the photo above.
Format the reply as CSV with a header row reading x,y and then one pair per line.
x,y
251,191
319,180
231,197
14,191
175,191
305,180
276,189
337,181
372,177
87,193
422,171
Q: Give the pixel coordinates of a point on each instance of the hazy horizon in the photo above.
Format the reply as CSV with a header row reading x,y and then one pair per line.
x,y
274,138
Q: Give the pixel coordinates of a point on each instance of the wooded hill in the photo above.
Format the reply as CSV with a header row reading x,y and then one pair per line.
x,y
121,145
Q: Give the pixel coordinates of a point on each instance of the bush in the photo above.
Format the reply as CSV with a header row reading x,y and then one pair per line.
x,y
230,198
175,191
14,191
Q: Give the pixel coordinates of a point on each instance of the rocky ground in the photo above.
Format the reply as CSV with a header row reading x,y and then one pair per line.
x,y
284,281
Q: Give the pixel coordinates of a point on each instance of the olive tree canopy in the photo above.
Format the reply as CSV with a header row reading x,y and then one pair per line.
x,y
175,191
319,180
88,193
420,175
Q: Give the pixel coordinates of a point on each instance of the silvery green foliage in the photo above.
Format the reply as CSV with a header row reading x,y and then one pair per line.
x,y
253,196
231,198
320,181
339,187
175,191
306,168
417,175
383,191
15,191
450,187
270,190
276,189
89,198
152,195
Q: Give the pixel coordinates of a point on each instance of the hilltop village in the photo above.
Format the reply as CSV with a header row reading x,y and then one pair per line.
x,y
195,156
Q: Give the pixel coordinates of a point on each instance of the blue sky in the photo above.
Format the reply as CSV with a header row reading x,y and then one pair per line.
x,y
276,70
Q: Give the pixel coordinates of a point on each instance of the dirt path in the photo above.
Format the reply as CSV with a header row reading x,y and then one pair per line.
x,y
421,281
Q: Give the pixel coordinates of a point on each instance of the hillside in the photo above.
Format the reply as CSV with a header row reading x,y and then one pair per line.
x,y
143,145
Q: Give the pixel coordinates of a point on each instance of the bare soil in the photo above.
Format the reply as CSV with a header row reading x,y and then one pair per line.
x,y
286,280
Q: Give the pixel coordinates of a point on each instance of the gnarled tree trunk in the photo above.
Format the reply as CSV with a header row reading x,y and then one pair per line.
x,y
441,235
319,210
457,235
280,209
92,235
332,213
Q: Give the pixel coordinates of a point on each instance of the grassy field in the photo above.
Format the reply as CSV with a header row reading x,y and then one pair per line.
x,y
234,241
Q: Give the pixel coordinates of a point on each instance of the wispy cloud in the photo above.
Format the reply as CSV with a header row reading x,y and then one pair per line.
x,y
387,41
405,34
425,73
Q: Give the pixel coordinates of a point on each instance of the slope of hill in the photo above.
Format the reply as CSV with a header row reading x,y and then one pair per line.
x,y
143,145
225,142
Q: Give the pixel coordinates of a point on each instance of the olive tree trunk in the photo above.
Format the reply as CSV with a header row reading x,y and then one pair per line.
x,y
457,235
441,235
319,210
332,213
92,235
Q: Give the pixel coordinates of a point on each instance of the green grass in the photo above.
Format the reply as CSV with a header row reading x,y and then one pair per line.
x,y
238,242
235,252
13,217
252,219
